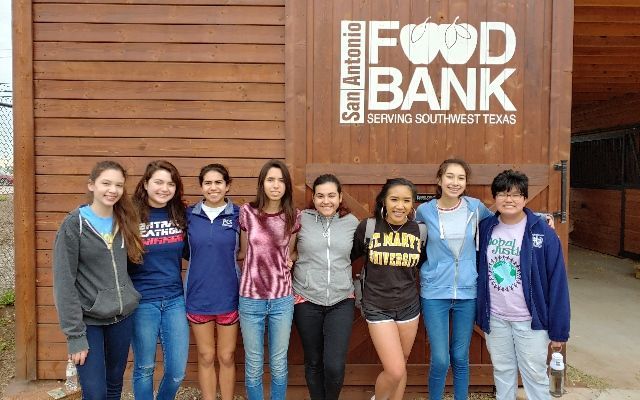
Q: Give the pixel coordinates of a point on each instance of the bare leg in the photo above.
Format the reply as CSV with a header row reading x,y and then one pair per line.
x,y
393,343
206,344
227,338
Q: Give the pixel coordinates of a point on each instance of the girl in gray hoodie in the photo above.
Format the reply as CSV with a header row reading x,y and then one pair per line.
x,y
93,293
324,301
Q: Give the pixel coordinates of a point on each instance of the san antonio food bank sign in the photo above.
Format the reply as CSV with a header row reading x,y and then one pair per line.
x,y
363,79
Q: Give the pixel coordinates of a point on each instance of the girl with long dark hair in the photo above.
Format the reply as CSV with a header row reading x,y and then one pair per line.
x,y
269,225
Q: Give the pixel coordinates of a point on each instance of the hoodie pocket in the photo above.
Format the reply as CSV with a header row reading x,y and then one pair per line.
x,y
130,299
107,303
342,281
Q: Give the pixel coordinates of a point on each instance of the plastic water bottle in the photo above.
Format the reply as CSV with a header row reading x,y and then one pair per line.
x,y
71,384
556,375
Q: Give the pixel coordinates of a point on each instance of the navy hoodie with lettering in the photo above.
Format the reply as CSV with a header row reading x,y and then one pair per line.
x,y
159,276
544,278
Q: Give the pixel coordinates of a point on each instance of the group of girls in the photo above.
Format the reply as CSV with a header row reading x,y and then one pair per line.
x,y
295,266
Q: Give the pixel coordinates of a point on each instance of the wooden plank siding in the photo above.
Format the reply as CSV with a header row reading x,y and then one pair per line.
x,y
242,81
135,81
632,221
363,155
604,206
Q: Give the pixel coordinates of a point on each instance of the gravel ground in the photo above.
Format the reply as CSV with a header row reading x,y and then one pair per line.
x,y
7,346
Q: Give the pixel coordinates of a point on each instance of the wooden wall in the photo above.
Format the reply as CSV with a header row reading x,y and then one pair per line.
x,y
632,221
137,80
134,81
596,218
615,113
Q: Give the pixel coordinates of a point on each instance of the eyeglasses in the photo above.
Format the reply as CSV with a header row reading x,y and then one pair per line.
x,y
514,196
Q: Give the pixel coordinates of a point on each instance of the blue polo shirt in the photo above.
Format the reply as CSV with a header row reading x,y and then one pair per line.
x,y
212,281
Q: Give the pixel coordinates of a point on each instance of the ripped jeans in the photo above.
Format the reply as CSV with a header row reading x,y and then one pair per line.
x,y
164,320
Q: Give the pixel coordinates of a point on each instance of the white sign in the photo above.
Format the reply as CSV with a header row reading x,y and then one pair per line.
x,y
363,79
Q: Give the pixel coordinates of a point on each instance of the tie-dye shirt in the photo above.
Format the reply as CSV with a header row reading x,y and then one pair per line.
x,y
265,274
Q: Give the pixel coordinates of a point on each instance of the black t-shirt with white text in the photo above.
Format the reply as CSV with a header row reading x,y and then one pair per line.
x,y
392,260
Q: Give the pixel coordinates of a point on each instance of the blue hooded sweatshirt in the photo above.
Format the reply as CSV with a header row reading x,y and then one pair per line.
x,y
212,278
544,278
442,276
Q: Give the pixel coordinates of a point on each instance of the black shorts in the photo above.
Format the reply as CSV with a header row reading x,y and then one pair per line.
x,y
403,315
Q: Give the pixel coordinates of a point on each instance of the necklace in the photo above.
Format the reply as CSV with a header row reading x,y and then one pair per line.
x,y
450,208
396,230
325,231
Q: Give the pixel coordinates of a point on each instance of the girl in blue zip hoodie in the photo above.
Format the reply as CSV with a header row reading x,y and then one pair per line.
x,y
523,295
448,276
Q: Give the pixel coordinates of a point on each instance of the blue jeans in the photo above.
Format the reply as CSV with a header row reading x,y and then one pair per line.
x,y
276,316
103,370
325,332
437,313
165,320
515,346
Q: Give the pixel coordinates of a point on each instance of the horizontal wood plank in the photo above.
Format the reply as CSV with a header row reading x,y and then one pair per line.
x,y
420,174
159,128
158,14
189,168
166,148
595,14
157,33
118,90
608,3
232,110
158,71
194,2
159,52
605,29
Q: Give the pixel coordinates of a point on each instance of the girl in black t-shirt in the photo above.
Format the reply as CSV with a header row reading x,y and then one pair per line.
x,y
391,302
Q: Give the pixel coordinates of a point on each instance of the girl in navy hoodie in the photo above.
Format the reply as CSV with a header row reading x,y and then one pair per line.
x,y
523,294
161,314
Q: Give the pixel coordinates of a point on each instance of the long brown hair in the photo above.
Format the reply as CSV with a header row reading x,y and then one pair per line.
x,y
125,216
287,199
176,206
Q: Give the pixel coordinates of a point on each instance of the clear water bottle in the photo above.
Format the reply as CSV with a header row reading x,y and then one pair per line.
x,y
71,384
556,375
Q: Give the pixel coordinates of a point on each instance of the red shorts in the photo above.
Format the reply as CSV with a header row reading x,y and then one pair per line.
x,y
229,318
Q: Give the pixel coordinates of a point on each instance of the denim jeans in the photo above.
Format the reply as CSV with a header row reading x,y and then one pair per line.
x,y
165,320
513,346
437,313
103,370
275,315
325,333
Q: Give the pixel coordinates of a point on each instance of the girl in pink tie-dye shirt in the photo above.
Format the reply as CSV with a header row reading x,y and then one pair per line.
x,y
268,229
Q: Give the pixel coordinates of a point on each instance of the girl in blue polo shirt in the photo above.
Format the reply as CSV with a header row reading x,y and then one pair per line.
x,y
212,281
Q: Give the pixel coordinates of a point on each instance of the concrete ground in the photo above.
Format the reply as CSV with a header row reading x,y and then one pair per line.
x,y
604,346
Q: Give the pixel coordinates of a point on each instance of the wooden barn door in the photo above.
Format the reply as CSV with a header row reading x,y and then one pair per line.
x,y
517,119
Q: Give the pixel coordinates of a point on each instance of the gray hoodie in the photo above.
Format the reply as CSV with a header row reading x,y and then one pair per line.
x,y
322,273
91,285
